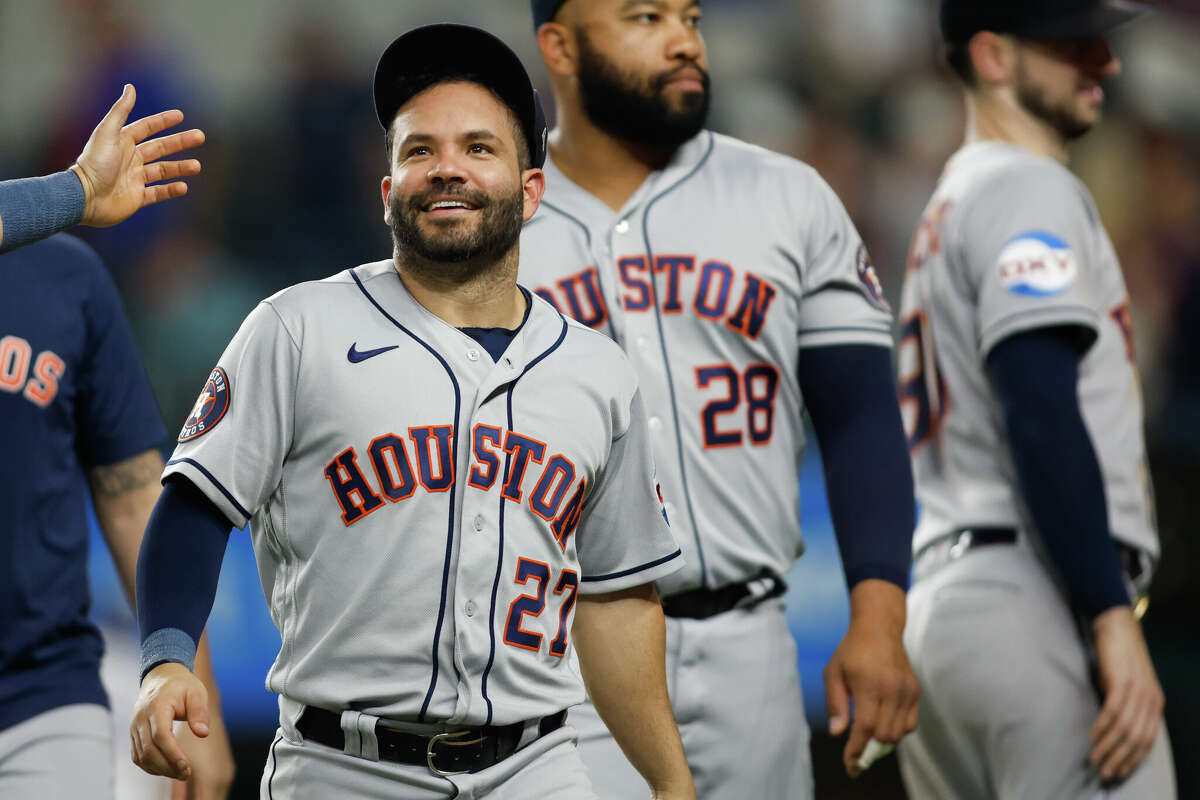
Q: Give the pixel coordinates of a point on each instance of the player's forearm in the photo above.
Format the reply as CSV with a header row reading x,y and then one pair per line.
x,y
1035,375
177,574
620,641
34,208
851,397
124,495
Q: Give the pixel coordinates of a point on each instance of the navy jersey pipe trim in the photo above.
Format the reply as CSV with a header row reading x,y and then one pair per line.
x,y
662,341
437,631
640,568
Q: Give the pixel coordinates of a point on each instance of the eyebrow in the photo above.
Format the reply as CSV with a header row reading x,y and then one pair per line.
x,y
659,4
423,138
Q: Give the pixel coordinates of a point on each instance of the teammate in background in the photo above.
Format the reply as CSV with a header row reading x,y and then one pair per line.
x,y
117,173
1025,421
76,412
741,291
448,483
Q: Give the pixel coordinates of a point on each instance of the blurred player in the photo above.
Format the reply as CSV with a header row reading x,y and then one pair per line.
x,y
742,293
1024,417
76,413
117,173
450,486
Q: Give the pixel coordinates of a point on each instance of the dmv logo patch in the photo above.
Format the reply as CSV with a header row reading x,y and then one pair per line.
x,y
210,406
1037,264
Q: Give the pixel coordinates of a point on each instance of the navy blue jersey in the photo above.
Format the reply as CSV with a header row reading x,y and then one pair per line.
x,y
73,395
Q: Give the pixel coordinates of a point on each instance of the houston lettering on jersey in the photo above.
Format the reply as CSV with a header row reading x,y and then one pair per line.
x,y
431,465
35,379
708,289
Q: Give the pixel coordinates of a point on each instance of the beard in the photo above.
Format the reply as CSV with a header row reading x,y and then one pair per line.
x,y
635,109
1060,116
459,250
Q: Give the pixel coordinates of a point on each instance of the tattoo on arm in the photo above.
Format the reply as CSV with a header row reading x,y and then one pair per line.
x,y
113,480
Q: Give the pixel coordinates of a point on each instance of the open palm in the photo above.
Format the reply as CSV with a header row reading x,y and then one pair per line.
x,y
120,166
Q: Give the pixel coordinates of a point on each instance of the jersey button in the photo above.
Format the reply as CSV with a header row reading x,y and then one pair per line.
x,y
478,522
655,424
469,608
472,354
622,226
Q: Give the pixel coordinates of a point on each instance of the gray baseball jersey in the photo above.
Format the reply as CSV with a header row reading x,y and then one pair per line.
x,y
713,277
424,517
1012,241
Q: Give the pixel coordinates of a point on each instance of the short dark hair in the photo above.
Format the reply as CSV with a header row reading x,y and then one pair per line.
x,y
958,58
421,81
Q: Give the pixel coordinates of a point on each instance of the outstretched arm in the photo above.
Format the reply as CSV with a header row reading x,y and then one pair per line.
x,y
119,171
124,495
619,637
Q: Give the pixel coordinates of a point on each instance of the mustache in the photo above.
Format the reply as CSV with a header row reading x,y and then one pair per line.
x,y
660,81
419,200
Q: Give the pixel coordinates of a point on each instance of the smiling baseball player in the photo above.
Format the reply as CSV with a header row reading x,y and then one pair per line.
x,y
742,293
1024,419
449,487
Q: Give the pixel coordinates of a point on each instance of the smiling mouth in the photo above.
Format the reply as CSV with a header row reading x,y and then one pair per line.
x,y
448,207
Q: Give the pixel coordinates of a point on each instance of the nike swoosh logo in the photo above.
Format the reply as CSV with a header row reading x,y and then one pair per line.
x,y
355,356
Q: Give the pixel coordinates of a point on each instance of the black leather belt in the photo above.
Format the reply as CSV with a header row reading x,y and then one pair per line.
x,y
465,750
952,545
705,603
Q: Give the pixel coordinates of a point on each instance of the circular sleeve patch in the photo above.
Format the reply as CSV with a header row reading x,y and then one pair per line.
x,y
868,279
1037,264
210,406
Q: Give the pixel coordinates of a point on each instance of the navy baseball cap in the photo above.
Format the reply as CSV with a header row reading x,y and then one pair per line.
x,y
544,11
1035,19
448,49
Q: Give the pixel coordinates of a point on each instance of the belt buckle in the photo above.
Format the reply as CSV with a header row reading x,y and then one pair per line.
x,y
433,740
961,544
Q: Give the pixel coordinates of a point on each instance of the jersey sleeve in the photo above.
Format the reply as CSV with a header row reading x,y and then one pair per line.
x,y
118,416
842,300
1024,240
233,443
624,538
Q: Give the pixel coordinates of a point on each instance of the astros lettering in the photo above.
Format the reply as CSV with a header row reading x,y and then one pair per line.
x,y
397,480
713,286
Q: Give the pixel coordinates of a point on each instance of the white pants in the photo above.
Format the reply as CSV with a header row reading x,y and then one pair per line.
x,y
61,754
548,767
1006,694
735,691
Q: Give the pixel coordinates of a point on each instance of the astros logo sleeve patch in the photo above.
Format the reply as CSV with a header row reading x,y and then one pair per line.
x,y
210,406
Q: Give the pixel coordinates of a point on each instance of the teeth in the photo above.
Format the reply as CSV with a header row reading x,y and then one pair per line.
x,y
447,204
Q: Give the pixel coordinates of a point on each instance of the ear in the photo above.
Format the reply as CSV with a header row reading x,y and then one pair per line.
x,y
533,186
558,47
994,57
385,188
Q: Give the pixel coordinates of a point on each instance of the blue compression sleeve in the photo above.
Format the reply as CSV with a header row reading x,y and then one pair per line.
x,y
851,397
1036,377
177,572
34,208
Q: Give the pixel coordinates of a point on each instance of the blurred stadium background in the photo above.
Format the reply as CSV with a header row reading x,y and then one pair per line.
x,y
290,192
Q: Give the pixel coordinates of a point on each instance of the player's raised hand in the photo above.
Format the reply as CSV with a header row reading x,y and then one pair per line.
x,y
120,162
871,667
1124,731
169,692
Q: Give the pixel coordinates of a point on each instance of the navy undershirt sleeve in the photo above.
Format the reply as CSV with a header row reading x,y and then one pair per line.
x,y
851,397
177,572
1035,375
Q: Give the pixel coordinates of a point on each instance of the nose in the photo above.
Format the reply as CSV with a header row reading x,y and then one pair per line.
x,y
447,169
1100,57
684,43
